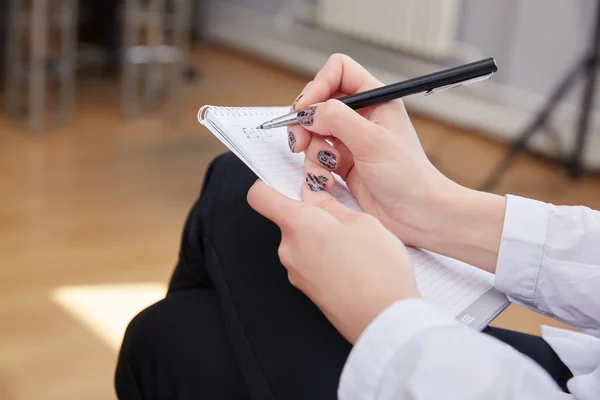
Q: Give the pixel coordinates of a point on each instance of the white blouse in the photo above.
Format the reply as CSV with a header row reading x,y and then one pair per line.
x,y
549,261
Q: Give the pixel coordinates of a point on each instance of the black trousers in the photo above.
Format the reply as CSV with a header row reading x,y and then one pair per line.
x,y
232,326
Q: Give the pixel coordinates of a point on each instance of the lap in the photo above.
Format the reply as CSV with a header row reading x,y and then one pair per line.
x,y
286,346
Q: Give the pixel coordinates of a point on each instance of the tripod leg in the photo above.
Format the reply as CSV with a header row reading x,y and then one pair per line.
x,y
592,63
574,166
541,119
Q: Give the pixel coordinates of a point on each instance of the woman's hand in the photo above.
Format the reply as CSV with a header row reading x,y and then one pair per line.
x,y
378,153
345,261
375,150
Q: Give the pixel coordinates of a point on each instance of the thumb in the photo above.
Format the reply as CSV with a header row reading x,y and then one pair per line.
x,y
334,118
273,205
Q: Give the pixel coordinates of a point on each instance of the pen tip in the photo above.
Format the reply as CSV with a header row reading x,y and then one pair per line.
x,y
259,127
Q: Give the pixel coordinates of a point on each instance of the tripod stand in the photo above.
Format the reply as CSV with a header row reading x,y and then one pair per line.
x,y
587,68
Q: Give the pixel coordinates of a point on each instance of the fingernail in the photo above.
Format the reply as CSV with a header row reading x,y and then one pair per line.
x,y
316,183
291,140
296,101
306,116
327,159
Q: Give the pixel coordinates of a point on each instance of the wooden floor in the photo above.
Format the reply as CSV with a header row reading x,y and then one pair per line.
x,y
103,201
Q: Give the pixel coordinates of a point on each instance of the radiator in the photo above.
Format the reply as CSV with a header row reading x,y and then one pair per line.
x,y
426,28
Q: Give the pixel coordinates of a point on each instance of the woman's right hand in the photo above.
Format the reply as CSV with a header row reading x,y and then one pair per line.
x,y
375,150
378,154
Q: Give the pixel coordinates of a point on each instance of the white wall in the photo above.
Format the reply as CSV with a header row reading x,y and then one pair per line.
x,y
534,42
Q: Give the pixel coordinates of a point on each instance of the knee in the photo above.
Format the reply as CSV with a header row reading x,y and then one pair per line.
x,y
161,330
178,345
131,373
139,335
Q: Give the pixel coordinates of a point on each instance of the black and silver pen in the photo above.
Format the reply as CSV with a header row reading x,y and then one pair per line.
x,y
432,83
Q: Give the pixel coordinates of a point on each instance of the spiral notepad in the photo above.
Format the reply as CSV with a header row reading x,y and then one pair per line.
x,y
457,289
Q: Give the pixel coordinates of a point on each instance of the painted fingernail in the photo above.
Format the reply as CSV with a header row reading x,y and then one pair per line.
x,y
291,140
296,101
316,183
306,116
327,159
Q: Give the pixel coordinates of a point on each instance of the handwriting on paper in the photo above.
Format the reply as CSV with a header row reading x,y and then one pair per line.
x,y
253,133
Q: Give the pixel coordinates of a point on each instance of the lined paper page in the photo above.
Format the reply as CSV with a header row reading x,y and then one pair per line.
x,y
449,285
270,154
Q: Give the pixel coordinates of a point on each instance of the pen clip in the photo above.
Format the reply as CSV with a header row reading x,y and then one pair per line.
x,y
459,84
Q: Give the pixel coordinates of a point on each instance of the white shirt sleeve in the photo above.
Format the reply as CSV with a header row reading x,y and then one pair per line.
x,y
549,261
411,351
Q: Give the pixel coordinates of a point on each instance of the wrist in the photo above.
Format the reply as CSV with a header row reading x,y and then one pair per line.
x,y
376,304
461,223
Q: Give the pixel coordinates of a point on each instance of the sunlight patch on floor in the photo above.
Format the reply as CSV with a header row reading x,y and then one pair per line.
x,y
107,309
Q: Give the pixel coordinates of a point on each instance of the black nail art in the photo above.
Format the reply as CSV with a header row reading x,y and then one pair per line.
x,y
316,183
296,101
327,159
306,116
291,140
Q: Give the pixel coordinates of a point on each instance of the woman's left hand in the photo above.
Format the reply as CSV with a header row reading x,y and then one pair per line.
x,y
345,261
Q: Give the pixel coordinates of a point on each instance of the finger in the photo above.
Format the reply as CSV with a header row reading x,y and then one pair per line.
x,y
293,108
317,178
298,138
275,206
346,161
334,118
339,74
325,201
323,153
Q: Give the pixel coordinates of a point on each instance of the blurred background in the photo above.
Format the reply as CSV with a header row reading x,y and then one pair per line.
x,y
101,156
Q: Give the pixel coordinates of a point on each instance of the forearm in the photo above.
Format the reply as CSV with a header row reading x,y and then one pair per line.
x,y
461,223
549,257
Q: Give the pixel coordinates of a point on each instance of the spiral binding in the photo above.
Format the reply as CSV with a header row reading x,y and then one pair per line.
x,y
238,112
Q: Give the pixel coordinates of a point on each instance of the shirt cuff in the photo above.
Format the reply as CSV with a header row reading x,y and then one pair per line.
x,y
521,248
378,344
